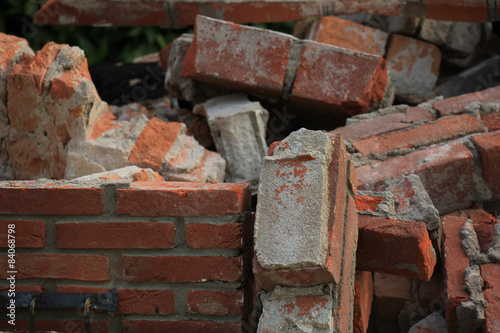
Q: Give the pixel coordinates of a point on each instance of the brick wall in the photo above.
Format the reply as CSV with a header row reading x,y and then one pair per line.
x,y
178,253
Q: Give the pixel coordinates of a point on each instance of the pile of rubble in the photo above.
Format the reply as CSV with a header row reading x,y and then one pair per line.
x,y
420,179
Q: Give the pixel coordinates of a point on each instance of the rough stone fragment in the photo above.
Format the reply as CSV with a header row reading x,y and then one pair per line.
x,y
297,310
433,323
470,244
238,127
184,88
332,78
347,34
414,67
244,58
294,228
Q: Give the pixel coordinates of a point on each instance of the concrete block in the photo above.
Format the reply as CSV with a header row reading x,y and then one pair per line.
x,y
294,223
414,67
238,128
297,310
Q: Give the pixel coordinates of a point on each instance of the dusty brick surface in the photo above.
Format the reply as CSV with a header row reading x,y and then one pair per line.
x,y
489,149
211,236
444,129
445,171
29,234
380,247
363,298
491,276
215,302
457,104
333,78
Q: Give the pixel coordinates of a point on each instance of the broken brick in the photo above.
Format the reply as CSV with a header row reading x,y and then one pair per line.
x,y
489,150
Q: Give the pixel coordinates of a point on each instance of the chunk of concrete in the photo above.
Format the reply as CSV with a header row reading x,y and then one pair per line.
x,y
238,127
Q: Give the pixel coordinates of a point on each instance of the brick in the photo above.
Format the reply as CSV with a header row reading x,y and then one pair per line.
x,y
60,266
302,187
363,299
444,129
183,199
105,124
154,143
489,150
24,158
484,226
47,325
445,171
491,276
192,326
181,269
115,235
350,35
215,302
212,236
336,91
384,124
380,247
253,60
132,301
491,120
64,200
353,176
455,263
94,12
23,289
30,234
455,105
365,203
285,309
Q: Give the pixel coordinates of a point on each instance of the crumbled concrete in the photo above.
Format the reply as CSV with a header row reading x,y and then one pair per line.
x,y
470,244
297,310
413,202
471,314
238,127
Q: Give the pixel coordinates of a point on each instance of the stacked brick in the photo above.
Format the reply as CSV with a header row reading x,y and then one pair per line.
x,y
178,253
179,14
450,144
306,235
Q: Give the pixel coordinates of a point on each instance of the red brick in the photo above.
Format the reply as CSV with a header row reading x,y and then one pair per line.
x,y
353,176
491,276
181,269
103,125
215,302
349,257
460,11
457,104
191,326
183,199
59,266
115,235
484,225
51,200
366,203
491,120
154,142
384,124
116,13
27,233
212,236
354,80
23,289
444,129
10,46
363,299
46,325
132,301
489,149
380,249
445,171
24,158
349,35
455,263
252,59
414,67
